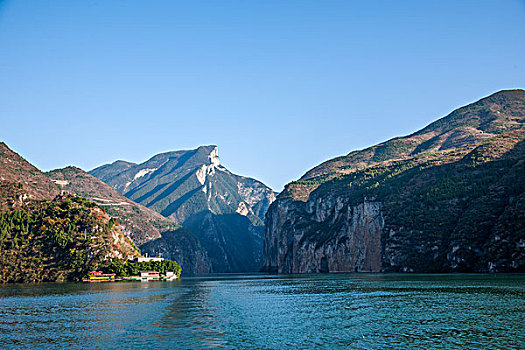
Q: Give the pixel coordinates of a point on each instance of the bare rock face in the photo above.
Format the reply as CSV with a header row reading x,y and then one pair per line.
x,y
181,246
353,242
222,210
448,198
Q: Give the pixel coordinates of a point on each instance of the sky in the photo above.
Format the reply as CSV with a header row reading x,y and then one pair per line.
x,y
279,86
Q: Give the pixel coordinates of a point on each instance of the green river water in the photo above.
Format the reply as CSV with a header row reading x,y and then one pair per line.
x,y
335,311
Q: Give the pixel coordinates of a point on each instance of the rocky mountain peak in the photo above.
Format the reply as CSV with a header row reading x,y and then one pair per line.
x,y
193,189
209,168
214,156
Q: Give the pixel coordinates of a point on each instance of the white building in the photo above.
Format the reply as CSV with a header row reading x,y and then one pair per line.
x,y
147,259
170,276
149,276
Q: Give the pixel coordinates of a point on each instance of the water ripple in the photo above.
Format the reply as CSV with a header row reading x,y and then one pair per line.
x,y
354,311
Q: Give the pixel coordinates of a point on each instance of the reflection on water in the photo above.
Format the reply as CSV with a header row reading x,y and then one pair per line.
x,y
357,311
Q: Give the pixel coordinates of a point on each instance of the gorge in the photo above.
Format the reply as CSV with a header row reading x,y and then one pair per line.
x,y
447,198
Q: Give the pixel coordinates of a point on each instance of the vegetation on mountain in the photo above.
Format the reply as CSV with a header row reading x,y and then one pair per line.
x,y
16,171
133,268
496,114
192,189
58,240
452,195
49,236
141,224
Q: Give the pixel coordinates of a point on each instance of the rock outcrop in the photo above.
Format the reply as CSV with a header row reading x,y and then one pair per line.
x,y
450,197
353,242
194,190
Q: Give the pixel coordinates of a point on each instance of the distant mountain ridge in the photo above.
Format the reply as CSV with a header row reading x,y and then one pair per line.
x,y
194,190
172,182
450,197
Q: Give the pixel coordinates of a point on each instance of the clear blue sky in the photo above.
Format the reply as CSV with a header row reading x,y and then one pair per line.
x,y
279,86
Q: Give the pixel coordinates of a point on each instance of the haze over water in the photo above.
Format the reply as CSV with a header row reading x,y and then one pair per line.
x,y
351,311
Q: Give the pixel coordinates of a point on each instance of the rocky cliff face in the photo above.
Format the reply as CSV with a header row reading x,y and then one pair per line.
x,y
450,197
328,235
193,189
181,246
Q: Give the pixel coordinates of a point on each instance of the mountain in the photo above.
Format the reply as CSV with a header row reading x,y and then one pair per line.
x,y
488,117
16,171
139,223
450,197
48,236
223,210
182,246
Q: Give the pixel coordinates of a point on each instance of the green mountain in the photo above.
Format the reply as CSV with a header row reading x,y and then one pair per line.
x,y
224,211
139,223
48,236
449,197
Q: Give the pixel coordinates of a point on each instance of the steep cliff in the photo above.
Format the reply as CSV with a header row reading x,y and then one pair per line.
x,y
447,198
224,211
182,246
329,235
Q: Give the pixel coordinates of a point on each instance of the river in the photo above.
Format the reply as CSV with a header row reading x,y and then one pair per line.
x,y
346,311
